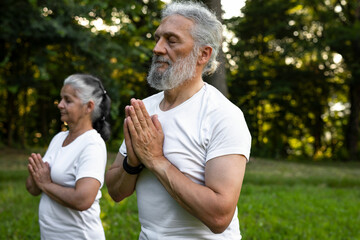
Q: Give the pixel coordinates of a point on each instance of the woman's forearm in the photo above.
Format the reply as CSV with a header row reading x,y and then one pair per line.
x,y
79,198
31,186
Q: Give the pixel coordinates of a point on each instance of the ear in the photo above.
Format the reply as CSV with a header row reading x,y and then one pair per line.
x,y
90,106
205,54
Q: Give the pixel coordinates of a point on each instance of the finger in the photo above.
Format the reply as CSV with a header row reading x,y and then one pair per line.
x,y
127,113
145,113
36,161
40,160
32,164
47,165
139,113
134,121
33,156
39,157
156,122
31,170
126,133
130,127
128,143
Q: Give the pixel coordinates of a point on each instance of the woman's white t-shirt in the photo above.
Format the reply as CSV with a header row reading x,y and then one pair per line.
x,y
202,128
84,157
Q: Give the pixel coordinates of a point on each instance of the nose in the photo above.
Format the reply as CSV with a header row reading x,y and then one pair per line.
x,y
61,104
160,48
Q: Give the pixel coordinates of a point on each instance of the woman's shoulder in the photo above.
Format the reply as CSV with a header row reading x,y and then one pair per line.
x,y
60,136
57,140
91,136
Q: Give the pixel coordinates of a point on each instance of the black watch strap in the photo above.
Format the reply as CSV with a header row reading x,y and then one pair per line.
x,y
132,170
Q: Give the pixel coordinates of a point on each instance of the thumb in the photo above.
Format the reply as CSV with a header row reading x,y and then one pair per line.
x,y
127,136
47,165
156,122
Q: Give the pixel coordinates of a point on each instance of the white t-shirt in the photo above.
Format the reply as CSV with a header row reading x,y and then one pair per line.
x,y
84,157
205,126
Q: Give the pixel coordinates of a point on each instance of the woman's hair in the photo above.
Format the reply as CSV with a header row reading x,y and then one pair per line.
x,y
89,88
207,29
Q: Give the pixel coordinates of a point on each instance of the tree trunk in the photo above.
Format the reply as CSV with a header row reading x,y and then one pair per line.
x,y
9,123
218,79
317,128
352,135
23,122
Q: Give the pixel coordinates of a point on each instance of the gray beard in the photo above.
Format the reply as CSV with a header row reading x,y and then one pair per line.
x,y
176,74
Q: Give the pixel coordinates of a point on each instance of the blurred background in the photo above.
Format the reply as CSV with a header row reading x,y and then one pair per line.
x,y
292,66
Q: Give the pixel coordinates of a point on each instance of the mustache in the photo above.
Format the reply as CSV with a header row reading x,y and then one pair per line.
x,y
161,59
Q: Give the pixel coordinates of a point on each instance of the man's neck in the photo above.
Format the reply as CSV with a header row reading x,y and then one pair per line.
x,y
175,97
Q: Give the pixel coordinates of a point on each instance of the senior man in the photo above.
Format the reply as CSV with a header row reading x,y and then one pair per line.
x,y
186,147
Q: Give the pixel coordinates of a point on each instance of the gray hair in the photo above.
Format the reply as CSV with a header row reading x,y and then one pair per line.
x,y
207,29
85,92
88,88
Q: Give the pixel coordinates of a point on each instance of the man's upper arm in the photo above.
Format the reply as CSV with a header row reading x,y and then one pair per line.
x,y
224,175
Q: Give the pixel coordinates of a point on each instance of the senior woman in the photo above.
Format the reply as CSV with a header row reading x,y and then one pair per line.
x,y
71,173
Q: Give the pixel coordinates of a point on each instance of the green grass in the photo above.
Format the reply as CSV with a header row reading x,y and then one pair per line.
x,y
279,200
285,200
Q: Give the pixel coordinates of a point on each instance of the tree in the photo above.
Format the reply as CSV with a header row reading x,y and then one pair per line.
x,y
218,79
341,21
51,40
283,75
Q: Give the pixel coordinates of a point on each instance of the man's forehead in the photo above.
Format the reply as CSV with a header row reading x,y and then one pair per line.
x,y
175,23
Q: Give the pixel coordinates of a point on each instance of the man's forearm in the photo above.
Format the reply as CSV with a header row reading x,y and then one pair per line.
x,y
119,183
214,209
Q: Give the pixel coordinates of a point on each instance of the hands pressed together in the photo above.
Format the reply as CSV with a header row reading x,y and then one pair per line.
x,y
143,136
39,170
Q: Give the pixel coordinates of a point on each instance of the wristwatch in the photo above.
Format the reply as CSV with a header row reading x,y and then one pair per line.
x,y
132,170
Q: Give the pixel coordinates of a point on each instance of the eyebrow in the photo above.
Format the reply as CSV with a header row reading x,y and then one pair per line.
x,y
167,34
66,95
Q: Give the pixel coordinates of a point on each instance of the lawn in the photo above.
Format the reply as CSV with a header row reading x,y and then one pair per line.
x,y
279,200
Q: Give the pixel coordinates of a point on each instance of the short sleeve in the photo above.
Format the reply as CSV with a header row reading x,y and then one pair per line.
x,y
229,134
92,162
122,149
55,143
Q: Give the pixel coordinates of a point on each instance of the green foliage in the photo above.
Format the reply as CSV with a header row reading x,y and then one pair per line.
x,y
281,70
284,76
50,40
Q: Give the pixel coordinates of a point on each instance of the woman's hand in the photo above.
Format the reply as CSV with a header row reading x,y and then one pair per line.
x,y
39,170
